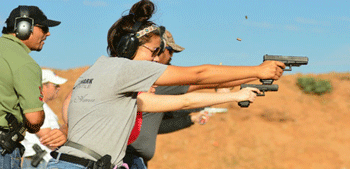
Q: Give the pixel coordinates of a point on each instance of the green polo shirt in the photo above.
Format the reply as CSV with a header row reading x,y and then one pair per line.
x,y
20,80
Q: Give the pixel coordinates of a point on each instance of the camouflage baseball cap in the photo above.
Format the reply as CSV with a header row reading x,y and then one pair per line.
x,y
170,42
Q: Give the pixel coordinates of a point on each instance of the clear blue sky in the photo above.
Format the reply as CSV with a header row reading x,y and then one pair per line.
x,y
208,30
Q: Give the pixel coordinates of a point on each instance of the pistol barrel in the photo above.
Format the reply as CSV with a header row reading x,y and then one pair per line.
x,y
288,60
272,87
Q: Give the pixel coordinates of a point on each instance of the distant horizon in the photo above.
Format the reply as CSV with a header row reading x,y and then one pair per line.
x,y
207,30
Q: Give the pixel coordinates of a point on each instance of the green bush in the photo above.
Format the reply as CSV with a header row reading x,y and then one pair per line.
x,y
312,86
345,78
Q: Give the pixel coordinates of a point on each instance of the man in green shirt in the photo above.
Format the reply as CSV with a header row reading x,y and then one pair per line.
x,y
21,104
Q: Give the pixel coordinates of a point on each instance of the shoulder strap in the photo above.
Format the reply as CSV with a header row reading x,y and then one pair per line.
x,y
83,149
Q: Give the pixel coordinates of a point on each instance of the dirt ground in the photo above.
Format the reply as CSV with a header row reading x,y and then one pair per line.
x,y
287,129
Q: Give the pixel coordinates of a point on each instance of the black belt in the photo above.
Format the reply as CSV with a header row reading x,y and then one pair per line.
x,y
72,159
76,160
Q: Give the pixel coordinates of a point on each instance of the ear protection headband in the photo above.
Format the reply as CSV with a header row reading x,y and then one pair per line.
x,y
23,24
128,44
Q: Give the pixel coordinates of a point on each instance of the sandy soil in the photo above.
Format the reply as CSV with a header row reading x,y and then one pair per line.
x,y
287,129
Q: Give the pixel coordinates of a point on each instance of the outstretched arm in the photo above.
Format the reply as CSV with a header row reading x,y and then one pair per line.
x,y
214,74
222,85
177,123
146,101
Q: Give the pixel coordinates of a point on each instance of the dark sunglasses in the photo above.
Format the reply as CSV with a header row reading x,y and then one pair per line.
x,y
170,49
45,29
155,51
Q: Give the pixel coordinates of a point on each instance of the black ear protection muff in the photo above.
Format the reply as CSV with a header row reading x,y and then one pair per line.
x,y
163,42
129,43
23,24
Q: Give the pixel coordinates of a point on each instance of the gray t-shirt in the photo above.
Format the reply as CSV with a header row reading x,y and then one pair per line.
x,y
103,107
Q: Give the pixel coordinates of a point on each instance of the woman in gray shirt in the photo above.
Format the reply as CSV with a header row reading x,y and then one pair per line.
x,y
105,98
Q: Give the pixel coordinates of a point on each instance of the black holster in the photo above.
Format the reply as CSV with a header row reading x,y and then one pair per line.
x,y
10,138
102,163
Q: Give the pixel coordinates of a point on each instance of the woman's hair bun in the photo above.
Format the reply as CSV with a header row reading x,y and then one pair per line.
x,y
142,10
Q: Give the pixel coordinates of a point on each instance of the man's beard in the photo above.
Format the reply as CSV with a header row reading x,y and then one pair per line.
x,y
169,62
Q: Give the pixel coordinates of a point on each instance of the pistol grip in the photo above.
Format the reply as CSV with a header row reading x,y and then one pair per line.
x,y
35,162
244,104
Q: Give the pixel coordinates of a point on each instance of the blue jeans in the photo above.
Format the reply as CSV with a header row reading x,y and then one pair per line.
x,y
11,161
57,164
26,164
137,163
